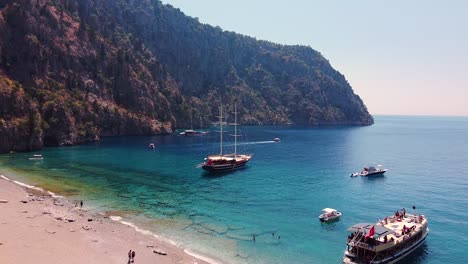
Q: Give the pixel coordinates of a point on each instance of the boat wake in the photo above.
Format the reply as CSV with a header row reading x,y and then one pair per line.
x,y
253,143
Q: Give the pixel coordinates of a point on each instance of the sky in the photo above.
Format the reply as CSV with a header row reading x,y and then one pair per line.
x,y
401,57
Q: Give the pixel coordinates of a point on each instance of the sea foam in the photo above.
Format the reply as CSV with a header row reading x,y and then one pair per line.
x,y
32,187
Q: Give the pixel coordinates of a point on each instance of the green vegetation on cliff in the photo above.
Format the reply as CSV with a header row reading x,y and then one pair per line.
x,y
74,70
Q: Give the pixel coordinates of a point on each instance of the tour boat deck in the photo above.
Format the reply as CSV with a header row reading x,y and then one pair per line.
x,y
392,228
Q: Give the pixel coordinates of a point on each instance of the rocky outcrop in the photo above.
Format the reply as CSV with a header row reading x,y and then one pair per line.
x,y
73,71
20,125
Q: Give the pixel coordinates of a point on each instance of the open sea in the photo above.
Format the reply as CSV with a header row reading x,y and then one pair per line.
x,y
282,190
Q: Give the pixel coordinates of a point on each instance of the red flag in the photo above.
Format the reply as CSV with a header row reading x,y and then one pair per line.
x,y
371,232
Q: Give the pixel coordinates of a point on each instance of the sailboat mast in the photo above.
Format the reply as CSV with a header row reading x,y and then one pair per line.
x,y
235,130
191,119
221,130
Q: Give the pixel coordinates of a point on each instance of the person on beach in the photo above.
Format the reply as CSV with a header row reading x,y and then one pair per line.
x,y
81,204
133,256
129,256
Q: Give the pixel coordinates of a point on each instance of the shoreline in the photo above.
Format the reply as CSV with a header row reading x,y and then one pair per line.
x,y
38,226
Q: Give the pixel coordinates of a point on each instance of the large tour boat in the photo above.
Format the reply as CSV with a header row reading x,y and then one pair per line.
x,y
387,241
226,162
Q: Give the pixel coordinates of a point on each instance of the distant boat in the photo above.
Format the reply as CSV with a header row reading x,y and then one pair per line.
x,y
369,171
276,140
226,162
36,157
151,146
329,214
191,131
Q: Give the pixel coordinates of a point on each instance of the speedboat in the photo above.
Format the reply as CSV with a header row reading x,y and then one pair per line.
x,y
276,140
36,157
386,241
329,214
369,171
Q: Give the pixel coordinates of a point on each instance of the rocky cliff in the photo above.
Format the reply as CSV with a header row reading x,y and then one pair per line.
x,y
72,71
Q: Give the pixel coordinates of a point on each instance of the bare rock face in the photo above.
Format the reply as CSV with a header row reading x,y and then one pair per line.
x,y
72,71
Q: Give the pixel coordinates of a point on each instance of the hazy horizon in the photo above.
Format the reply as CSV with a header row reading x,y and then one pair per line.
x,y
401,58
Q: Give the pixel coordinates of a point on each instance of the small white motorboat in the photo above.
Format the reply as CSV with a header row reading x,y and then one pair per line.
x,y
329,214
276,140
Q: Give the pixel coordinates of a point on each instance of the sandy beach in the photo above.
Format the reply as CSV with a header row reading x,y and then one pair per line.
x,y
36,227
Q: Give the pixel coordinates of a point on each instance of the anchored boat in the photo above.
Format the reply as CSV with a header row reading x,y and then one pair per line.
x,y
191,132
36,157
369,171
226,162
329,214
387,241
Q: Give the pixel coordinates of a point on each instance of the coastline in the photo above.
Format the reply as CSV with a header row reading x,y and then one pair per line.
x,y
38,226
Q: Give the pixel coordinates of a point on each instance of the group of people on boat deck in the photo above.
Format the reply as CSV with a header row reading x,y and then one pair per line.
x,y
406,230
385,240
400,215
397,217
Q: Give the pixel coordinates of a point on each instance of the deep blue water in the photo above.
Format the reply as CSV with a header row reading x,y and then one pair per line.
x,y
282,190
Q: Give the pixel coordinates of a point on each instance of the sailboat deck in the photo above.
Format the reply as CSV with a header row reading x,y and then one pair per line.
x,y
229,157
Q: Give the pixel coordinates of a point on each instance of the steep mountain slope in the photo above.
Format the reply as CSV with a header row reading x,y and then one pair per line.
x,y
74,70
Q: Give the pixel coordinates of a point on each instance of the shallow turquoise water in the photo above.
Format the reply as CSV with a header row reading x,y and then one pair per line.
x,y
282,190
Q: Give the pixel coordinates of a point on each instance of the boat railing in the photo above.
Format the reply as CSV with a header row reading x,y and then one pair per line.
x,y
356,242
364,245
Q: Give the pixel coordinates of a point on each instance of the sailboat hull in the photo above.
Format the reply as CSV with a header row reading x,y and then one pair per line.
x,y
225,167
226,162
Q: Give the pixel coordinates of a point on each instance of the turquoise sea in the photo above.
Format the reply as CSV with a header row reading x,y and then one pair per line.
x,y
282,191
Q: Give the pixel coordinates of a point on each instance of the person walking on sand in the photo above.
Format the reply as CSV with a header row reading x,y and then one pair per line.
x,y
129,256
81,204
133,256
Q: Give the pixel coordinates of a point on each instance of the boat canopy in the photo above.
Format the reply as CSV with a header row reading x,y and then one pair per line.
x,y
328,210
378,230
